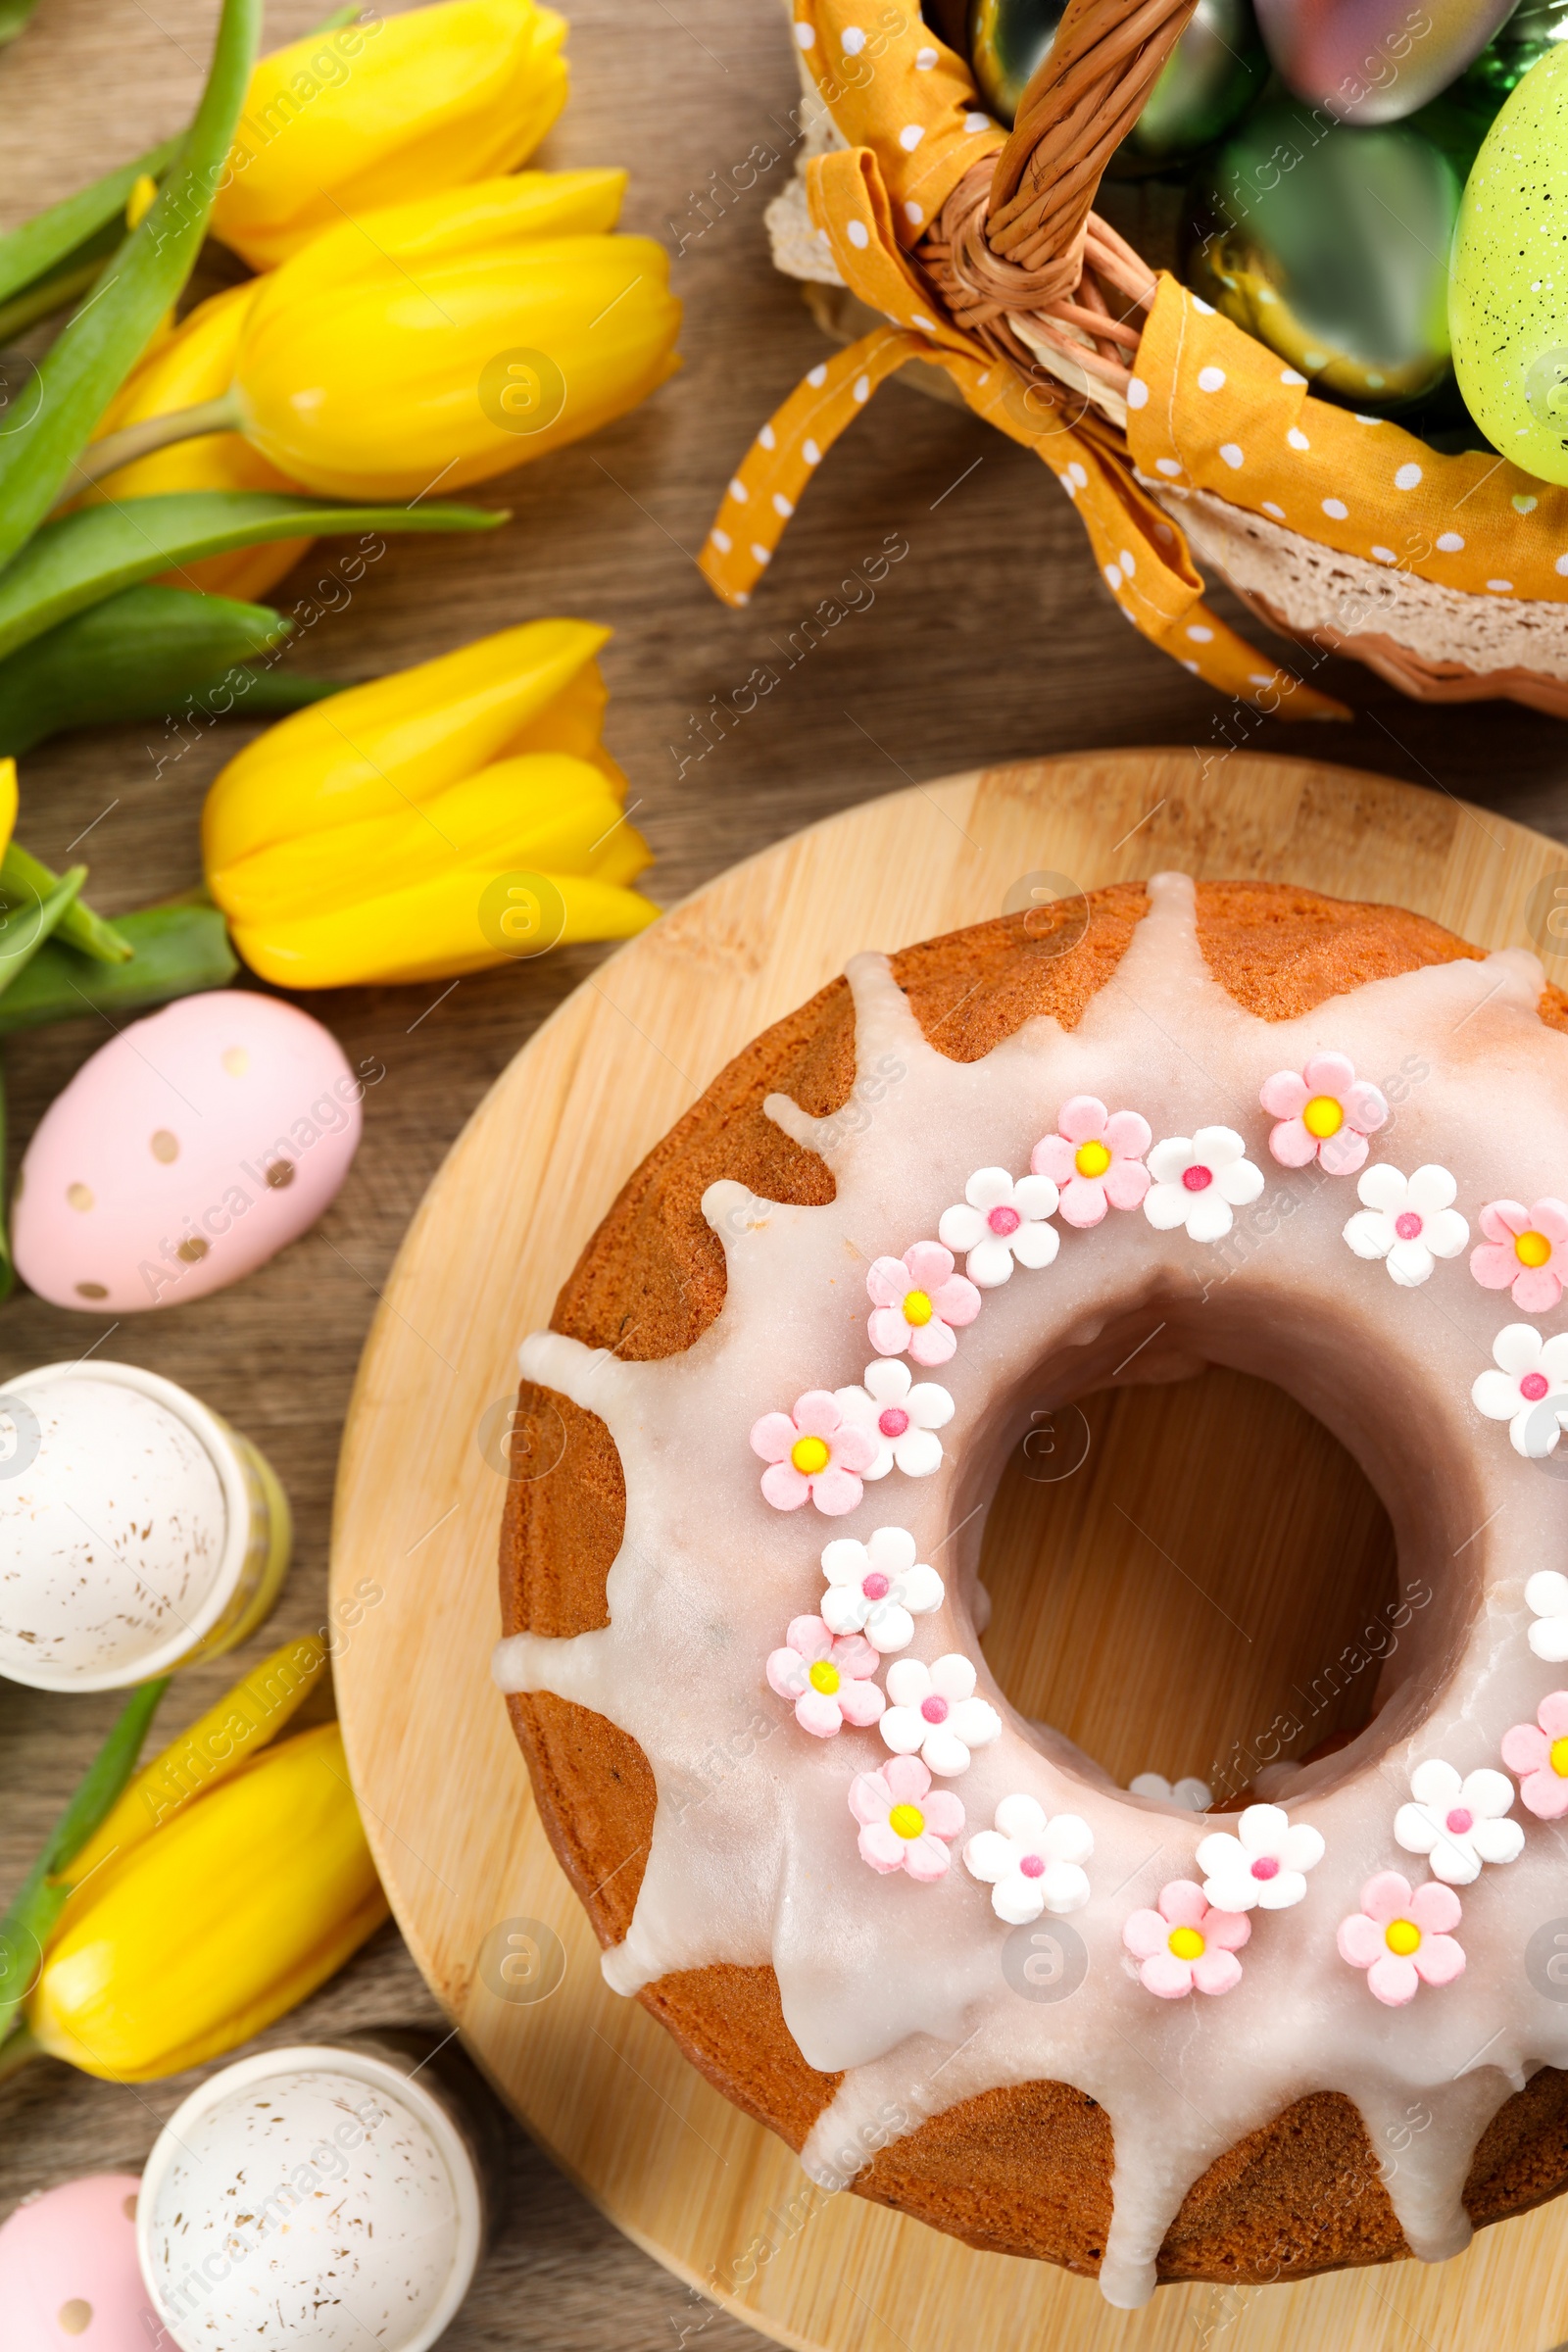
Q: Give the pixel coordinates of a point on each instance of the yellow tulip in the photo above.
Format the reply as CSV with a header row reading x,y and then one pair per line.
x,y
367,114
203,1932
196,362
449,817
217,1745
441,342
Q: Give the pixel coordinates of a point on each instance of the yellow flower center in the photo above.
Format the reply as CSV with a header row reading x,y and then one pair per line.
x,y
1402,1935
1187,1944
809,1456
1091,1159
1559,1758
917,1307
907,1821
824,1678
1322,1116
1531,1248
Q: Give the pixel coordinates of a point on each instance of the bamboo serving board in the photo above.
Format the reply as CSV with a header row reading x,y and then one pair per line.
x,y
715,2197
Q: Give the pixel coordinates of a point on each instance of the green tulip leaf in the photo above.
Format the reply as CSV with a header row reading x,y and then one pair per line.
x,y
178,950
96,349
136,655
45,295
62,233
248,691
24,878
14,18
36,1908
8,1278
80,558
25,928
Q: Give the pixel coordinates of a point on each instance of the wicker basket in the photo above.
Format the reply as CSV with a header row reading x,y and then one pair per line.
x,y
1015,266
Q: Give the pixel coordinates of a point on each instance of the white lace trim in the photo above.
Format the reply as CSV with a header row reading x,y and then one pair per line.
x,y
799,249
1315,587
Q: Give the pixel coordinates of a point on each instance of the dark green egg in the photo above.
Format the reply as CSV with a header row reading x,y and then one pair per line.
x,y
1535,27
1007,40
1331,245
1212,76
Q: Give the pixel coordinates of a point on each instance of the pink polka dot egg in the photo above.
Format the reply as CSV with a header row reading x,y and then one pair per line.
x,y
70,2281
188,1150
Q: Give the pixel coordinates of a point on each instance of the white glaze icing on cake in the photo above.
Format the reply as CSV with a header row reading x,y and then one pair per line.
x,y
901,1984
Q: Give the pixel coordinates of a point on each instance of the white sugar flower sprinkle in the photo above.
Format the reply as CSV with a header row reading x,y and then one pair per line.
x,y
1458,1824
878,1588
1199,1180
934,1713
1408,1221
1000,1220
1030,1863
1264,1865
901,1414
1191,1794
1547,1600
1530,1372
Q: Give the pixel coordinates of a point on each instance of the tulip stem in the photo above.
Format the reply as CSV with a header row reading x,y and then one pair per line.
x,y
17,2050
8,1270
35,1910
100,459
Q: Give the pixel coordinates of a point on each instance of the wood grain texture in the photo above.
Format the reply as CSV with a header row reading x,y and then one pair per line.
x,y
449,1811
1174,1569
993,640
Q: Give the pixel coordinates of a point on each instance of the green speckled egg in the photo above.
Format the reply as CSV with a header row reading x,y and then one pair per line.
x,y
1508,282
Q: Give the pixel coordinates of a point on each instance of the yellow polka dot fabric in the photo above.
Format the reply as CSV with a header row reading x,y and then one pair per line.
x,y
1212,408
891,86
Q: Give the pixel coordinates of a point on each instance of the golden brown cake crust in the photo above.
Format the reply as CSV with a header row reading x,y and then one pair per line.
x,y
1024,2170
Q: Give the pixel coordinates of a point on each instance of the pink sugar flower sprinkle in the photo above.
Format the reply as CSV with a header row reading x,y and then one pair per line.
x,y
1186,1944
905,1823
1324,1113
919,1304
1538,1752
814,1454
1096,1157
827,1676
1526,1250
1402,1938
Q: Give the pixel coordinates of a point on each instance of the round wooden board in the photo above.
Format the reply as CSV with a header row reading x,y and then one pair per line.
x,y
714,2196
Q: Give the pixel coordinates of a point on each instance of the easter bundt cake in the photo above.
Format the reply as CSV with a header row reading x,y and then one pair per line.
x,y
928,1941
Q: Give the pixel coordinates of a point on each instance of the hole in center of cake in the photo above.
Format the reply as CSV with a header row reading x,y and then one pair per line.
x,y
1193,1579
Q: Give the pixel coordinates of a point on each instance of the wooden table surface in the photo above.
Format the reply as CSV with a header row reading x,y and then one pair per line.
x,y
992,639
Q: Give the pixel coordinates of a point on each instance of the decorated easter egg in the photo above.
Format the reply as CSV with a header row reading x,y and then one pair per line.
x,y
1509,291
1330,245
1008,39
70,2281
310,2200
1535,27
1376,61
1211,77
186,1153
113,1535
1209,80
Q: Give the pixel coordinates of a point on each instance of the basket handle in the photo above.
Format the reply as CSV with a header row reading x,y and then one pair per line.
x,y
1012,236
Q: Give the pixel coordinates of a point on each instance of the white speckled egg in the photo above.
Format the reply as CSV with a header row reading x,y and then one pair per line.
x,y
186,1153
309,2198
112,1542
69,2277
136,1528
